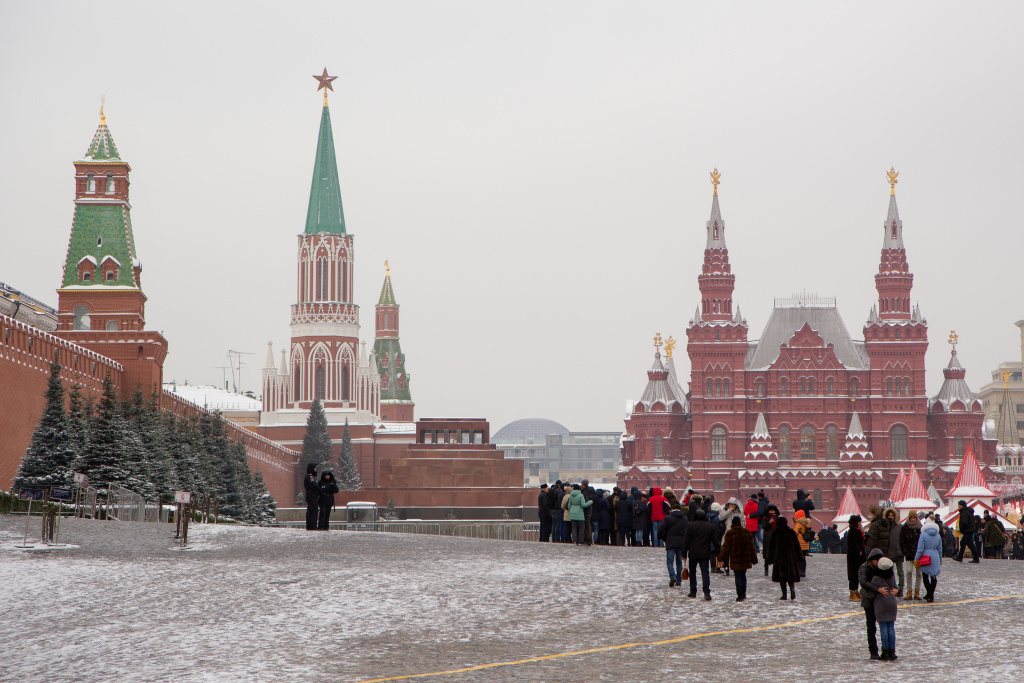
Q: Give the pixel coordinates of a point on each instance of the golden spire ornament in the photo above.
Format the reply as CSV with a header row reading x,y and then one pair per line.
x,y
953,339
325,83
892,174
103,118
1006,374
387,269
670,344
657,342
715,176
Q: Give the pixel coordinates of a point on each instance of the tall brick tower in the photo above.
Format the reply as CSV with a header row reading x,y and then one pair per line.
x,y
717,346
396,403
100,304
896,338
325,359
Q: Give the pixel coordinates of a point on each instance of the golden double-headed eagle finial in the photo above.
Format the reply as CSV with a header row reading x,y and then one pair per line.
x,y
715,178
953,339
670,344
657,342
892,174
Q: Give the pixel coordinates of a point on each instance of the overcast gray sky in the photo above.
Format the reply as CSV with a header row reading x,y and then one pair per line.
x,y
536,172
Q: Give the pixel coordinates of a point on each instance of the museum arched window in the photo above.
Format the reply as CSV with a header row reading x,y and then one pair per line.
x,y
831,386
718,388
832,443
807,443
810,386
854,384
888,387
959,445
759,384
725,388
657,447
803,386
718,444
784,443
906,387
783,387
898,443
710,391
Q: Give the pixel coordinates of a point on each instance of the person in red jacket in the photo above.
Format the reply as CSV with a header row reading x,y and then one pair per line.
x,y
657,507
750,513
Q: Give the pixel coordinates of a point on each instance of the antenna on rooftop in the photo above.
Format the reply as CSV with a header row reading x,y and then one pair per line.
x,y
235,362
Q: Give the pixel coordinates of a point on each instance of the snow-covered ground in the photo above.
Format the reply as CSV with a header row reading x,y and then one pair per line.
x,y
251,604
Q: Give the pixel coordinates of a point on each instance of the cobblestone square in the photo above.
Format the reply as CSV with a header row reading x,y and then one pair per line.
x,y
254,604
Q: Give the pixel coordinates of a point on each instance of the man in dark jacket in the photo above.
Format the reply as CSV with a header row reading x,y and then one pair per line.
x,y
698,541
671,533
804,503
544,513
604,518
312,493
877,535
868,591
967,528
328,487
624,519
555,506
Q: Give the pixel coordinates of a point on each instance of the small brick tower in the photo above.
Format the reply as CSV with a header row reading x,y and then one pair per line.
x,y
396,403
100,302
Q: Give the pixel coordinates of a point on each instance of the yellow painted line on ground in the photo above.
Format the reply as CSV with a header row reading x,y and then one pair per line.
x,y
695,636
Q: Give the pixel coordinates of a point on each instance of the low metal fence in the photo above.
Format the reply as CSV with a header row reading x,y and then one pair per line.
x,y
124,505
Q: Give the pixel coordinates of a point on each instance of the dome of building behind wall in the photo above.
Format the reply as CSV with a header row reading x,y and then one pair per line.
x,y
531,430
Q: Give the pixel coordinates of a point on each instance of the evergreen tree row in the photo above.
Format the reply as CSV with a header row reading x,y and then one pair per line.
x,y
130,442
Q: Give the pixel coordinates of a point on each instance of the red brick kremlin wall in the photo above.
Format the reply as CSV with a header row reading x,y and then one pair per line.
x,y
25,356
278,464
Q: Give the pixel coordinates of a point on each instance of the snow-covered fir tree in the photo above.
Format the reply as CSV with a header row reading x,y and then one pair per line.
x,y
78,428
348,477
102,459
262,506
52,452
157,442
390,513
316,443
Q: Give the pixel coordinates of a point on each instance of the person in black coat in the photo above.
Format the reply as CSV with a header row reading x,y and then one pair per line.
x,y
804,503
785,553
698,541
544,513
624,519
671,533
312,493
604,518
328,487
768,523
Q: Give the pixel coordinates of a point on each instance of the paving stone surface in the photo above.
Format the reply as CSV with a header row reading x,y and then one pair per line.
x,y
249,604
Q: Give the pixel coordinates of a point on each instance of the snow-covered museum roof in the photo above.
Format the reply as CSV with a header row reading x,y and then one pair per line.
x,y
214,398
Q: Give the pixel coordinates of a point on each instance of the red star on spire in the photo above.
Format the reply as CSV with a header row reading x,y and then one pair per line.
x,y
325,81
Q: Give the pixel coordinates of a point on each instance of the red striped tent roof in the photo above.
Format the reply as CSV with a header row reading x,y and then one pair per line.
x,y
969,480
847,507
897,488
914,492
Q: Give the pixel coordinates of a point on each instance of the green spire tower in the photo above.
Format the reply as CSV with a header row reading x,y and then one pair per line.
x,y
325,213
396,404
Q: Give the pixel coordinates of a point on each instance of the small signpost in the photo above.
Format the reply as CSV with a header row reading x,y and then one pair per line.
x,y
29,495
81,484
59,494
184,501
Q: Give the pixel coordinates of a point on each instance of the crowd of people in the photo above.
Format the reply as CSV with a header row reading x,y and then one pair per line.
x,y
887,560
